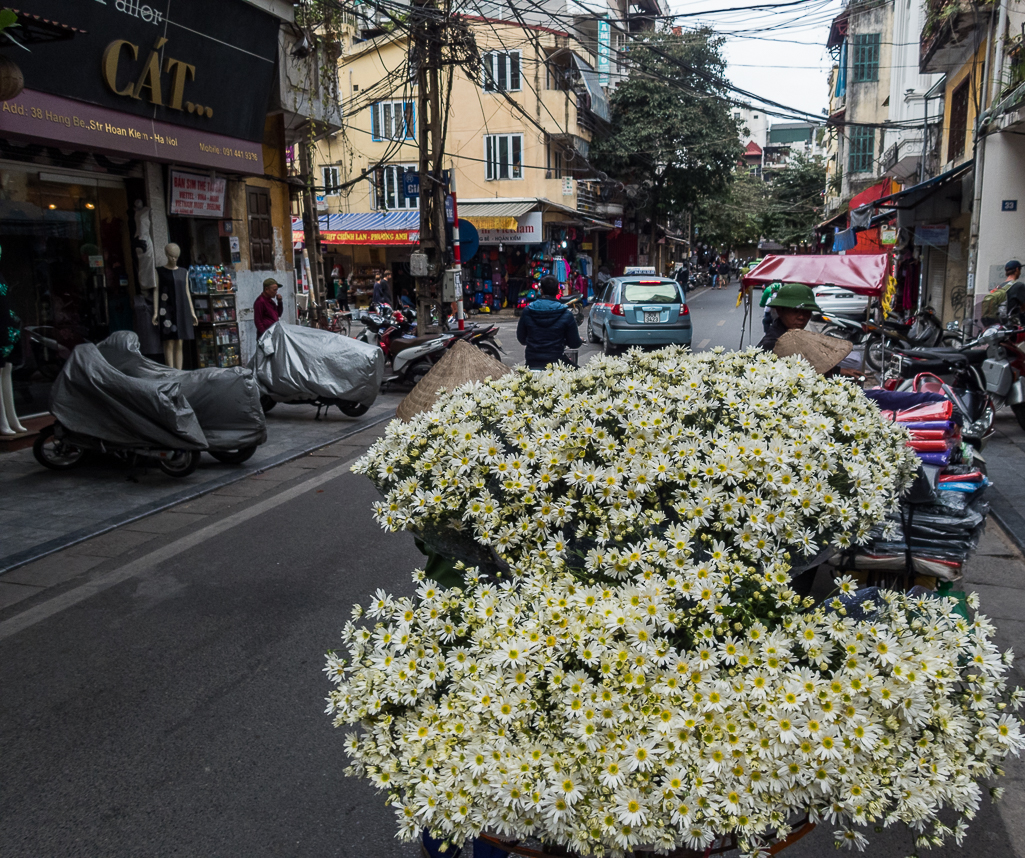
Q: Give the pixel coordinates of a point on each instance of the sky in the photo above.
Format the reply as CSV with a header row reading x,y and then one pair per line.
x,y
776,53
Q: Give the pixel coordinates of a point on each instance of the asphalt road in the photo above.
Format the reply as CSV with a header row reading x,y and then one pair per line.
x,y
171,700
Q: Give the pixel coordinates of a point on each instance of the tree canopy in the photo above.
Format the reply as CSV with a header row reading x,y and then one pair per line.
x,y
673,135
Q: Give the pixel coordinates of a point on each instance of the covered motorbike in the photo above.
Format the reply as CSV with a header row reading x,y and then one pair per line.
x,y
98,407
308,366
226,400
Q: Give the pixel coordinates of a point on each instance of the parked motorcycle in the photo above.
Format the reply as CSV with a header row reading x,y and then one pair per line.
x,y
307,366
98,407
59,449
484,337
980,377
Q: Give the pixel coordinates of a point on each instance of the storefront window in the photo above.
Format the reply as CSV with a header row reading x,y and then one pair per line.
x,y
64,244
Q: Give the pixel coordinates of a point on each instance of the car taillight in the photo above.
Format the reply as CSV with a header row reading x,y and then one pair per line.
x,y
684,310
617,310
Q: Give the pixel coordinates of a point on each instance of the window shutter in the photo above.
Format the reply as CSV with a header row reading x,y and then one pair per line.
x,y
517,145
410,111
514,70
503,157
489,152
375,122
489,72
261,238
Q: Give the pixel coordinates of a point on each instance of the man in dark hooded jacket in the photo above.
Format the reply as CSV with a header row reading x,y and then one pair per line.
x,y
547,328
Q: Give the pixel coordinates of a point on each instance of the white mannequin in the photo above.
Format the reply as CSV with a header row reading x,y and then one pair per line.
x,y
145,254
9,424
173,348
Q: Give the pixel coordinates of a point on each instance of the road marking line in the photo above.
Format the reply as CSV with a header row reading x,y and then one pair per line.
x,y
703,343
720,323
136,567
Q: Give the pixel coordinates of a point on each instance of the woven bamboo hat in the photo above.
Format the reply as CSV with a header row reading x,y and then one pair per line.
x,y
820,351
461,364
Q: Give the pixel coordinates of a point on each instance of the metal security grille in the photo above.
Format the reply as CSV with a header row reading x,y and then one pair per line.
x,y
865,58
862,155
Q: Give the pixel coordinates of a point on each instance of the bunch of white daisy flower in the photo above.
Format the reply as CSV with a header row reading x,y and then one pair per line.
x,y
631,668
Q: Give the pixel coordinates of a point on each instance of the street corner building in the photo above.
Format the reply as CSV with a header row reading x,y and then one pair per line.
x,y
142,124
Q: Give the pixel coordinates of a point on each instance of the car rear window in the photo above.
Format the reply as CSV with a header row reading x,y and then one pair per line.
x,y
664,292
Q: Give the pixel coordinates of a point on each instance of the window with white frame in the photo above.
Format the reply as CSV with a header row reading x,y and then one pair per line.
x,y
503,156
392,120
502,71
332,183
387,188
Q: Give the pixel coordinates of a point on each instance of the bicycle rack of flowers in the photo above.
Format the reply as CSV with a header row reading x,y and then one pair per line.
x,y
605,655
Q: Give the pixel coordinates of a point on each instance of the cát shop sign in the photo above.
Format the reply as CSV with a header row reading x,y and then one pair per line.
x,y
200,64
197,196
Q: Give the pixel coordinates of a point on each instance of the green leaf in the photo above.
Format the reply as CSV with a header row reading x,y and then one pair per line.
x,y
8,18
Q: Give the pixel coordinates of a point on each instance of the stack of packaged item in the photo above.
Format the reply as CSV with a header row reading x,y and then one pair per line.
x,y
941,518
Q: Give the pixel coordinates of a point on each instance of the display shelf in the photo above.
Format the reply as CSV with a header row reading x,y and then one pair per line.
x,y
213,299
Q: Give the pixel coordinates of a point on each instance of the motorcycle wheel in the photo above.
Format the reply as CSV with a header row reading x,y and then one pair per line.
x,y
353,409
490,349
578,314
183,463
874,353
1019,413
234,457
266,403
417,371
54,454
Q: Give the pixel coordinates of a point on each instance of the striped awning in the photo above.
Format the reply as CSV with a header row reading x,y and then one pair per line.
x,y
497,208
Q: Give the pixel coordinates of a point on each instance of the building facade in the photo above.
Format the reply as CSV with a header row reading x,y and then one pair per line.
x,y
172,128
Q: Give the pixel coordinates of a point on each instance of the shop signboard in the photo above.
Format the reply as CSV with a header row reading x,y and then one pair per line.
x,y
528,231
205,66
604,50
60,121
932,235
197,196
370,237
410,184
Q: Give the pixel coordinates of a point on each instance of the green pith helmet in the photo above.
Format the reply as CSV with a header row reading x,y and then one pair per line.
x,y
796,296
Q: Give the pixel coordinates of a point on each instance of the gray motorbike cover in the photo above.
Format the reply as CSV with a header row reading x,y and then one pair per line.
x,y
295,363
226,400
91,397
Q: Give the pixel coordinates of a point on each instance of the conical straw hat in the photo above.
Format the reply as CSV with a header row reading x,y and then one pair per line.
x,y
821,351
461,364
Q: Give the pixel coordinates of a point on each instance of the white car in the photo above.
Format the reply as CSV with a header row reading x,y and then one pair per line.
x,y
837,299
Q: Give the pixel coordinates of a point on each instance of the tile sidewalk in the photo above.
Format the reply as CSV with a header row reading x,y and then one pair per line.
x,y
43,511
1005,462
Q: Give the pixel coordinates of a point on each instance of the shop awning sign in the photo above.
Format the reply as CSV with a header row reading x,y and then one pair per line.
x,y
374,237
527,231
194,195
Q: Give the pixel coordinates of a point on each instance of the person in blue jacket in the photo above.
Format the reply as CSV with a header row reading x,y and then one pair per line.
x,y
547,328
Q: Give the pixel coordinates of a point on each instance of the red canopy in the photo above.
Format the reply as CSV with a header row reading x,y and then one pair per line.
x,y
864,273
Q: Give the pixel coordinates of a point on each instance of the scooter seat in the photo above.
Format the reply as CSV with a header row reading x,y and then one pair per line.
x,y
402,343
972,357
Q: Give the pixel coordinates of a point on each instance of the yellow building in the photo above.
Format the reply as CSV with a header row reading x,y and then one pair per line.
x,y
517,142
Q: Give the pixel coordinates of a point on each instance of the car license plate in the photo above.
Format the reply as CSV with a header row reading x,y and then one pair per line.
x,y
652,318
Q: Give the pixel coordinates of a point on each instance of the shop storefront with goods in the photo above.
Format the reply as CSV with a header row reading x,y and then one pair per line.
x,y
133,131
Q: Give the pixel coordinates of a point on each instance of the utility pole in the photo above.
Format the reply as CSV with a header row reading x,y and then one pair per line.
x,y
311,229
427,37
